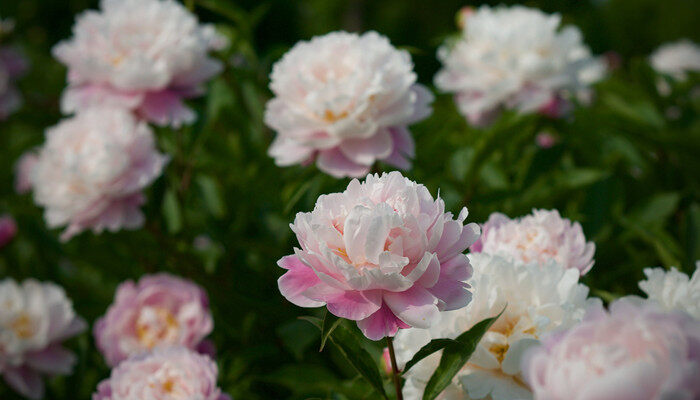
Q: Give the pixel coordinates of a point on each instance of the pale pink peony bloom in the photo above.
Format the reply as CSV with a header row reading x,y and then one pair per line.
x,y
92,169
673,290
8,229
676,59
545,140
24,168
143,55
515,58
165,373
35,318
158,310
538,237
345,101
12,66
633,352
383,253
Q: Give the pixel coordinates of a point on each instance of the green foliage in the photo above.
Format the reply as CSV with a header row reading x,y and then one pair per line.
x,y
626,167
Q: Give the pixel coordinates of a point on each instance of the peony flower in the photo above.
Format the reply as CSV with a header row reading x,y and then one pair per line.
x,y
158,310
515,58
8,229
673,290
345,101
677,59
537,299
383,253
92,170
165,373
539,237
23,171
633,352
35,318
143,55
12,66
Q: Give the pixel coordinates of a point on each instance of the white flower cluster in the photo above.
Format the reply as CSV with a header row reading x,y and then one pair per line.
x,y
515,58
129,63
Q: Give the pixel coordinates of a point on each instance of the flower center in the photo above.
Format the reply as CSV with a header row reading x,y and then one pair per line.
x,y
156,325
330,116
23,326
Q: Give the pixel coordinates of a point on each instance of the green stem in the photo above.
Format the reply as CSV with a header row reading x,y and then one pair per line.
x,y
394,368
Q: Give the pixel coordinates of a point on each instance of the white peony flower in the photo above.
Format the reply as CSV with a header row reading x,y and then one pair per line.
x,y
538,237
35,318
92,170
538,299
677,59
345,101
673,290
144,55
515,58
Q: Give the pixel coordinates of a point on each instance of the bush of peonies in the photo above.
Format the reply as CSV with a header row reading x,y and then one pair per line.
x,y
384,253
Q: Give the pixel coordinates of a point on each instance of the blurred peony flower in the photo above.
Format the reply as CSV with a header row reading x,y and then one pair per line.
x,y
537,298
677,59
92,169
159,310
673,290
632,352
165,373
12,66
515,58
143,55
35,318
8,229
383,253
539,237
345,101
24,168
545,140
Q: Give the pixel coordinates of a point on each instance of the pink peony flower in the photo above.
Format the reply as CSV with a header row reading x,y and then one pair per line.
x,y
540,237
545,140
515,58
383,253
12,66
34,319
92,170
634,352
345,101
159,310
8,229
165,373
143,55
24,168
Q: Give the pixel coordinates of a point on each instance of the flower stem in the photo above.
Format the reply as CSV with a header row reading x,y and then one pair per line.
x,y
394,368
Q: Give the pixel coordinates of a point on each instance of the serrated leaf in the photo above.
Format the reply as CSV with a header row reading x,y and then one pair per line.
x,y
171,211
430,348
330,322
455,356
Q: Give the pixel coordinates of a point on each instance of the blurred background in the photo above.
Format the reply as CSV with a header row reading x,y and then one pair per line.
x,y
627,168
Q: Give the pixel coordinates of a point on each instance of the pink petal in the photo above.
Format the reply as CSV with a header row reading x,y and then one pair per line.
x,y
452,294
380,324
296,280
288,152
350,304
166,108
334,163
25,381
415,306
367,151
52,360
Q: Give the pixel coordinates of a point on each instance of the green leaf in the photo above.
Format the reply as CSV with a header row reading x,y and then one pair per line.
x,y
330,322
171,211
657,209
454,356
428,349
211,195
349,342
